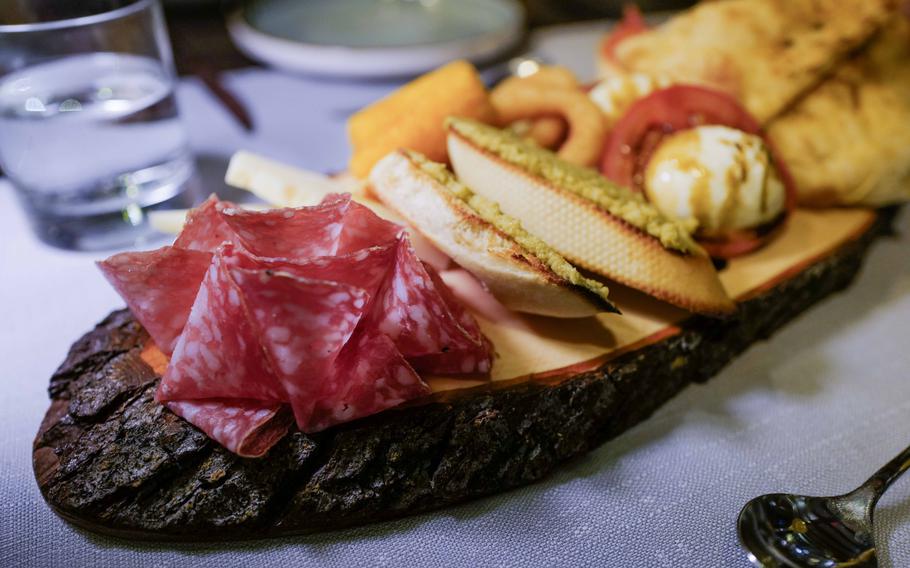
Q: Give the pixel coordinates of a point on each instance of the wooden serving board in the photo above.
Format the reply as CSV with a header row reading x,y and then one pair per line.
x,y
110,459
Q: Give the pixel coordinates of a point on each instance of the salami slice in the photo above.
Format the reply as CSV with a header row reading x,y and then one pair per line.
x,y
366,268
475,358
411,312
303,325
458,310
296,233
205,227
319,314
370,376
218,354
363,228
248,428
159,287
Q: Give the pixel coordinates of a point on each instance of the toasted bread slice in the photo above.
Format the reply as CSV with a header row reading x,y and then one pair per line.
x,y
595,224
519,270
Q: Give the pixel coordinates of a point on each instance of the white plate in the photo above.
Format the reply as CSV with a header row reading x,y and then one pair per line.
x,y
374,38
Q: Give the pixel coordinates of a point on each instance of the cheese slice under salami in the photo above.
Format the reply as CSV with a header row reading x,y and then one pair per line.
x,y
324,311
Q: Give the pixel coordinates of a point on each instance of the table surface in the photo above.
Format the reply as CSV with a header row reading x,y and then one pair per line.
x,y
814,410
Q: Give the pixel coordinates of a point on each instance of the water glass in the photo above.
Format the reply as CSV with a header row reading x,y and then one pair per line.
x,y
89,131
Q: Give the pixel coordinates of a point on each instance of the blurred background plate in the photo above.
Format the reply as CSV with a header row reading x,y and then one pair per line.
x,y
374,38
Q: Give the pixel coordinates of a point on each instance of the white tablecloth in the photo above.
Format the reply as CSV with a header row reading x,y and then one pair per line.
x,y
815,410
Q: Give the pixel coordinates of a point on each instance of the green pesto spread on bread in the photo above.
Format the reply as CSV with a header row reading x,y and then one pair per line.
x,y
490,212
619,201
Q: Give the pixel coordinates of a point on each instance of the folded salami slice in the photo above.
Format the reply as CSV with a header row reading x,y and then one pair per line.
x,y
317,313
458,310
293,233
159,287
363,228
303,325
246,427
219,354
474,358
366,268
205,227
370,376
411,312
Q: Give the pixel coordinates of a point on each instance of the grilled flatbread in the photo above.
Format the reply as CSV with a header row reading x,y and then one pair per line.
x,y
848,141
766,53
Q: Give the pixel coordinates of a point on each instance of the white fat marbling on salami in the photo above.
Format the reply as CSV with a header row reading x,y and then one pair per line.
x,y
219,354
473,357
159,287
205,227
370,376
246,427
366,268
295,233
303,325
412,311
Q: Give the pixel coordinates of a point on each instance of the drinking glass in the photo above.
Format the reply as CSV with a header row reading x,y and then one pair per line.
x,y
89,131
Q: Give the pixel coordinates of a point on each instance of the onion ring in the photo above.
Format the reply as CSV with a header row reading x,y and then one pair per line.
x,y
549,131
517,99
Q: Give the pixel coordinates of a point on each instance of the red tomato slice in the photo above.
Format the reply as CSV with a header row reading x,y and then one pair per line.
x,y
637,134
632,23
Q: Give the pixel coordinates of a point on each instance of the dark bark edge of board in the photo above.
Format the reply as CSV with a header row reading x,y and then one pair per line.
x,y
111,460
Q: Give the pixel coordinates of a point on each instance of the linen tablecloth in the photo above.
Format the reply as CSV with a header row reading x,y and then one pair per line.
x,y
814,410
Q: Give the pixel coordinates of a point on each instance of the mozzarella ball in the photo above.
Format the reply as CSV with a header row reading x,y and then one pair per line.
x,y
721,177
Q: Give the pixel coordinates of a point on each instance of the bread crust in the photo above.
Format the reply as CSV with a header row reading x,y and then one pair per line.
x,y
590,237
518,279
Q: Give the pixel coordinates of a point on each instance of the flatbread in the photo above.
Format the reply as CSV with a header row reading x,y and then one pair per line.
x,y
848,141
766,53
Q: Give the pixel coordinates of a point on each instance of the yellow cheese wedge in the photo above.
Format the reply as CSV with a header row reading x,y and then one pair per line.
x,y
168,222
586,233
171,221
412,117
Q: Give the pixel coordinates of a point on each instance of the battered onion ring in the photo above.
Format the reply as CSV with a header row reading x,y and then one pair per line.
x,y
516,100
547,132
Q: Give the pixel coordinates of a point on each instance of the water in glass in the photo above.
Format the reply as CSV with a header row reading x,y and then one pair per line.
x,y
92,140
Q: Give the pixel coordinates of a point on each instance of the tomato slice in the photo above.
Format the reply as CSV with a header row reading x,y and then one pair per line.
x,y
632,23
635,137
